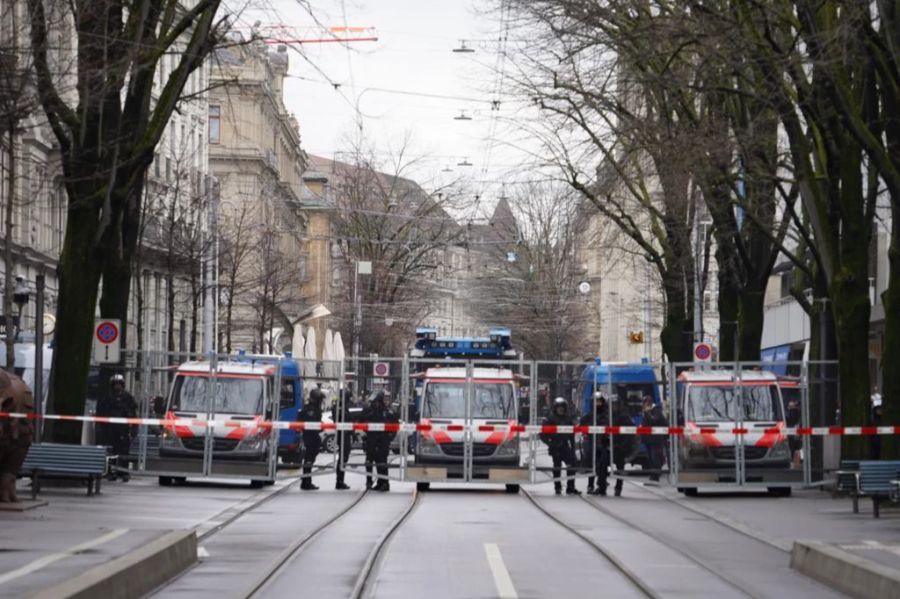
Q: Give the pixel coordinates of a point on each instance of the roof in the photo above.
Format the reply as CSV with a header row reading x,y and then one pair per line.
x,y
228,368
455,372
726,375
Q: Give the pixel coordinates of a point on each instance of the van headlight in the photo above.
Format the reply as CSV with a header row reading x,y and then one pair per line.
x,y
254,442
170,440
508,448
780,450
428,446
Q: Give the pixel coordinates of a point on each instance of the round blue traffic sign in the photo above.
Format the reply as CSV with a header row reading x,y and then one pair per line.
x,y
107,332
702,351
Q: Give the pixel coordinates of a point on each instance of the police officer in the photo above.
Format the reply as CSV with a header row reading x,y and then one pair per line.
x,y
344,438
312,440
656,444
594,455
378,443
622,446
562,446
118,403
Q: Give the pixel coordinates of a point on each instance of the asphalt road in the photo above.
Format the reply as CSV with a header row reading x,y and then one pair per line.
x,y
475,542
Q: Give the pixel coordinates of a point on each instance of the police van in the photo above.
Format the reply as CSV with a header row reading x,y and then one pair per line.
x,y
450,396
222,411
713,404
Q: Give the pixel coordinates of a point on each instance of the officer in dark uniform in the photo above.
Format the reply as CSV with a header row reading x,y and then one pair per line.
x,y
344,438
656,444
378,443
312,440
622,445
118,403
562,446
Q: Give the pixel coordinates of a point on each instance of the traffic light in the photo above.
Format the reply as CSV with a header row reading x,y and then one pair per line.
x,y
636,336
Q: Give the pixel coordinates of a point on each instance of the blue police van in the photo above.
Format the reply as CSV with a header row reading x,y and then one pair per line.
x,y
629,383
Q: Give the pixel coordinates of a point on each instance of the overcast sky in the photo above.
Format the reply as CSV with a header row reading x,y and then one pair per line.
x,y
413,54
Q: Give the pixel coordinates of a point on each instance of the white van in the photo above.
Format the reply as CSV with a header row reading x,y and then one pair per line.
x,y
443,404
716,401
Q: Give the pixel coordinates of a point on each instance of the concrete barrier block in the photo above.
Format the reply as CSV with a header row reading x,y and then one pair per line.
x,y
134,574
844,571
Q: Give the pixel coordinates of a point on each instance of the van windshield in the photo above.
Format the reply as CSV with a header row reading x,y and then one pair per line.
x,y
489,400
761,403
232,395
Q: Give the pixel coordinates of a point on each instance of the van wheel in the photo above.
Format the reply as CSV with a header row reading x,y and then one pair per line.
x,y
269,483
680,489
691,492
780,491
422,487
512,489
257,484
179,480
165,481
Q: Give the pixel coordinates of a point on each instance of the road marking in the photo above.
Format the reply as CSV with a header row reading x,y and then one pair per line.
x,y
55,557
202,552
504,584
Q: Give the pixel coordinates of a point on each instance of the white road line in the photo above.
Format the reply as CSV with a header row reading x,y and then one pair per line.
x,y
504,584
55,557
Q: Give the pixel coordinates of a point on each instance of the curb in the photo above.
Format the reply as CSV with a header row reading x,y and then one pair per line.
x,y
844,571
134,574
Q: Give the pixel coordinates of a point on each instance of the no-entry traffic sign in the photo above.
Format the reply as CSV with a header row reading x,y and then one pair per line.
x,y
703,352
381,369
107,340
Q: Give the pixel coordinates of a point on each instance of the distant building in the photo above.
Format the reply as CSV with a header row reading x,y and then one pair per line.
x,y
256,158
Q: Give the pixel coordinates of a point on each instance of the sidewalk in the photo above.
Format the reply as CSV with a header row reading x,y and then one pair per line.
x,y
73,533
855,553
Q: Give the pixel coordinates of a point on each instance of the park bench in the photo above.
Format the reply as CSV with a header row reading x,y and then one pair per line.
x,y
63,461
874,481
847,481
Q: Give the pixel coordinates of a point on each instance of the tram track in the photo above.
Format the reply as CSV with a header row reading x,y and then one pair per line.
x,y
240,512
627,572
683,551
737,527
280,565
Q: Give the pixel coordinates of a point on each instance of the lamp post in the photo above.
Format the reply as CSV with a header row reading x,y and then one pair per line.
x,y
362,268
20,298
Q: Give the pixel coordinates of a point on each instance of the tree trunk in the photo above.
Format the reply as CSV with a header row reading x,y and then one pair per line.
x,y
728,304
79,273
751,311
676,335
9,274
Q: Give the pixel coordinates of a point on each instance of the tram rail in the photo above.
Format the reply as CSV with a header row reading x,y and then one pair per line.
x,y
683,551
627,572
277,567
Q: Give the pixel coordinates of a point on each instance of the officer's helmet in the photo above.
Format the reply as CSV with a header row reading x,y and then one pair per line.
x,y
560,406
117,379
377,399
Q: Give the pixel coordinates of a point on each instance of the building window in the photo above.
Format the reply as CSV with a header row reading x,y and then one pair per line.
x,y
215,118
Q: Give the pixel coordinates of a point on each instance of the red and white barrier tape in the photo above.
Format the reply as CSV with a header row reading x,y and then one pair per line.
x,y
815,431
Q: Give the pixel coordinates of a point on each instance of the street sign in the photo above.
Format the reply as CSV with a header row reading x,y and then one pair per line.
x,y
703,352
381,369
107,340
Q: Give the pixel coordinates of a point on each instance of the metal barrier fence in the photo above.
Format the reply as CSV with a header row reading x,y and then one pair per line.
x,y
767,425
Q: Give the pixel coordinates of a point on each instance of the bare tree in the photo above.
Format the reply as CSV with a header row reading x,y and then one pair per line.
x,y
392,222
236,245
107,133
530,283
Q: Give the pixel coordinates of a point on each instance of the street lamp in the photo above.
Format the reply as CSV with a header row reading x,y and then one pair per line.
x,y
20,298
